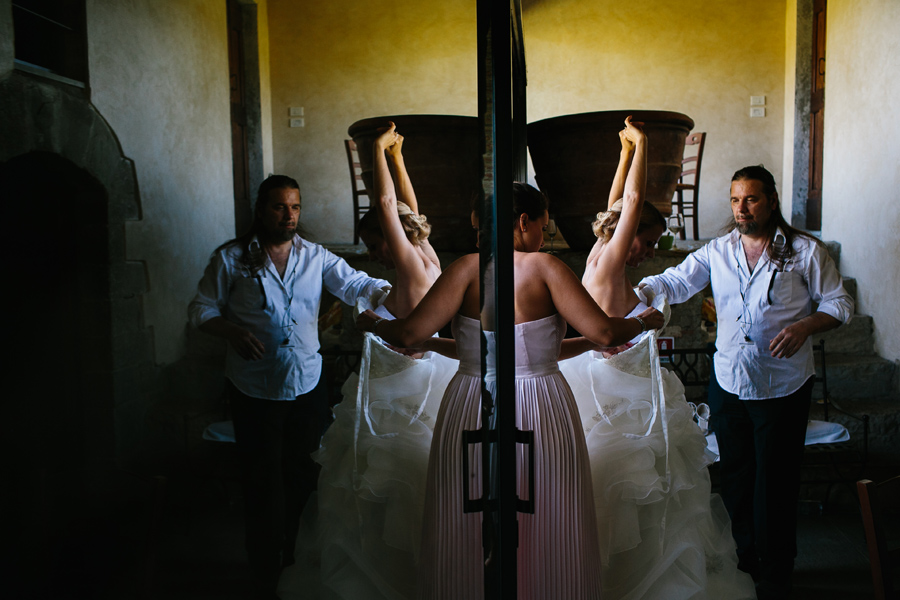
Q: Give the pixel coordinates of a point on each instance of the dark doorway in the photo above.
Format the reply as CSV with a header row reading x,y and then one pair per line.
x,y
816,119
56,252
239,151
59,406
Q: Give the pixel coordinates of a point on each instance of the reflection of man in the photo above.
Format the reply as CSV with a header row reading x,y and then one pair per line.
x,y
261,292
765,277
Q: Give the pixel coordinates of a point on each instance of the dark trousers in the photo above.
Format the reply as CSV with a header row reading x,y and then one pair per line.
x,y
274,440
761,450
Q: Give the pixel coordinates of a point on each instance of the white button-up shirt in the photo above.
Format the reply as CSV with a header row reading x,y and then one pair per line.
x,y
281,313
753,307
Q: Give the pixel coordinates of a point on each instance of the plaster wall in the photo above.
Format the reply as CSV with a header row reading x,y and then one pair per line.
x,y
861,187
159,76
345,60
703,58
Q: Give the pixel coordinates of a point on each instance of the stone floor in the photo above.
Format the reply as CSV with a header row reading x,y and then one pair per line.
x,y
201,549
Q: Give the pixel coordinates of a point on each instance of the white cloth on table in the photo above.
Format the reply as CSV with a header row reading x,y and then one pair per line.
x,y
817,432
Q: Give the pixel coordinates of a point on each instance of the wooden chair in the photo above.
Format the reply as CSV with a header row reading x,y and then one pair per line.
x,y
357,185
834,463
690,167
884,556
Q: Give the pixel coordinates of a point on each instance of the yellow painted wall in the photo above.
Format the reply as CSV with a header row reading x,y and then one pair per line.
x,y
703,58
861,187
159,76
345,60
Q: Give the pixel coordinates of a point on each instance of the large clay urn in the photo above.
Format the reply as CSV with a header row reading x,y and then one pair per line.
x,y
443,159
575,158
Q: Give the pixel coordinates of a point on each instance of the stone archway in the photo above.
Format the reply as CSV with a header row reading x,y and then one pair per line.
x,y
68,191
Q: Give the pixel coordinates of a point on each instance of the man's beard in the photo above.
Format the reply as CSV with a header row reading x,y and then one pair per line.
x,y
747,228
281,235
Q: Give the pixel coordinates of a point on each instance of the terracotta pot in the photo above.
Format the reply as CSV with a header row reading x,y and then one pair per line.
x,y
575,158
443,159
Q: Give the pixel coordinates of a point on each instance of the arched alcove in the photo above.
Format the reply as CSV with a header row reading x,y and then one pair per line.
x,y
85,369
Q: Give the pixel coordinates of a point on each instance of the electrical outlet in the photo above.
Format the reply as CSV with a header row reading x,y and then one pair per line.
x,y
298,122
757,100
757,112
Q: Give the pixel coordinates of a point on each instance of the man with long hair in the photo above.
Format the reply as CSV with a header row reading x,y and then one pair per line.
x,y
765,277
261,292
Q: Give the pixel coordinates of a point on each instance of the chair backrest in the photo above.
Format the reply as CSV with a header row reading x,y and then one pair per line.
x,y
874,498
359,188
690,165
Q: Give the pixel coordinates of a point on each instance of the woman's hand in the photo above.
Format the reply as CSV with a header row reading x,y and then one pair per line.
x,y
394,150
387,137
366,321
627,145
652,318
633,131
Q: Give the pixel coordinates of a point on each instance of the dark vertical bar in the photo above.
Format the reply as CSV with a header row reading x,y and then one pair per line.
x,y
502,108
504,316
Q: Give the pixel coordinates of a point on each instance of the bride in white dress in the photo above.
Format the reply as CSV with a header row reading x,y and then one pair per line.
x,y
373,457
662,534
558,551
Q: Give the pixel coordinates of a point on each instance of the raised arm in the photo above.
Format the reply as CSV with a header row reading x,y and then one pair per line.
x,y
405,191
578,308
616,251
402,251
456,290
618,186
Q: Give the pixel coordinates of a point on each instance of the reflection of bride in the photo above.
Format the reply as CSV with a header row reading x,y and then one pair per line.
x,y
371,488
366,520
557,551
662,534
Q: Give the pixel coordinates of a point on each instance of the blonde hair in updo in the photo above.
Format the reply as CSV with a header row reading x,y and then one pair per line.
x,y
416,227
605,225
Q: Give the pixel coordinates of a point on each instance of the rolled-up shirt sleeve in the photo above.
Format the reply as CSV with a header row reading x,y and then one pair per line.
x,y
212,292
346,283
681,282
826,286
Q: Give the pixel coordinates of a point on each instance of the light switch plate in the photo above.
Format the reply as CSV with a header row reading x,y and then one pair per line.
x,y
298,122
757,111
296,111
757,100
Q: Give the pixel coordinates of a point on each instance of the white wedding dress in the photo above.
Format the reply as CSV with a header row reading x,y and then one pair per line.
x,y
663,535
360,537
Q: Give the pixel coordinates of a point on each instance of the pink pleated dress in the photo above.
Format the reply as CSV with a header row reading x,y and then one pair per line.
x,y
558,555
